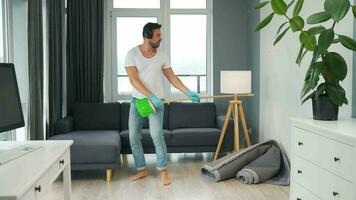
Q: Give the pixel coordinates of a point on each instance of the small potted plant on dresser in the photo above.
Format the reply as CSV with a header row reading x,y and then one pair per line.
x,y
327,95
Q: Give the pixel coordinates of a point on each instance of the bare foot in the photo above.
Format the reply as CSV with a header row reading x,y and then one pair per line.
x,y
165,178
138,175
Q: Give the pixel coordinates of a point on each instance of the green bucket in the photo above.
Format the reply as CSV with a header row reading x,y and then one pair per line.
x,y
144,107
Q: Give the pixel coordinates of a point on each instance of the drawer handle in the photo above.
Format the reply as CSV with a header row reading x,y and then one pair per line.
x,y
61,161
300,143
38,188
336,159
299,171
335,194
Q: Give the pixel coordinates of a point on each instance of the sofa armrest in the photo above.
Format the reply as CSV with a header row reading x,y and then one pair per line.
x,y
228,143
63,125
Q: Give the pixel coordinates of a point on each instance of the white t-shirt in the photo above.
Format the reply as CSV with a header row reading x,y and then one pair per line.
x,y
149,70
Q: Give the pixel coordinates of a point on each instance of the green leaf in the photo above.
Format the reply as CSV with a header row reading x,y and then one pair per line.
x,y
325,39
261,5
279,7
348,42
311,95
336,40
308,97
337,8
315,74
301,55
305,52
281,36
327,76
336,94
316,30
316,93
335,65
280,28
318,18
316,55
296,23
290,3
312,77
298,8
305,90
320,90
309,41
265,22
298,60
354,10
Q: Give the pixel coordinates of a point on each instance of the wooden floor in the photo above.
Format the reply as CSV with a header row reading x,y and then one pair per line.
x,y
187,183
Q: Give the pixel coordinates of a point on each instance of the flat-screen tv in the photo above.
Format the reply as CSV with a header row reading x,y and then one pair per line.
x,y
11,116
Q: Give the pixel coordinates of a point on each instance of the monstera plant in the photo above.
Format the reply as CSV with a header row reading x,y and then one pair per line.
x,y
327,94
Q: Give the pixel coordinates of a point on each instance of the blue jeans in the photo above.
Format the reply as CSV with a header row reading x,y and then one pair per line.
x,y
156,131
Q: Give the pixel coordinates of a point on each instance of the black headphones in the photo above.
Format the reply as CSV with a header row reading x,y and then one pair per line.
x,y
147,33
148,29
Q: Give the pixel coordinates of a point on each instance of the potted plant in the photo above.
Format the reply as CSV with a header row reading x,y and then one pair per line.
x,y
327,95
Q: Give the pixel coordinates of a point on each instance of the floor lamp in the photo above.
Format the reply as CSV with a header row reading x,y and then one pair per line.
x,y
236,83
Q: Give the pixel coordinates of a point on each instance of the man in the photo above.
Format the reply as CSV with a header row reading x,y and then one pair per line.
x,y
145,65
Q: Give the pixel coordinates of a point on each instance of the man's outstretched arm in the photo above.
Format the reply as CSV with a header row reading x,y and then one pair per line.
x,y
135,81
177,83
174,80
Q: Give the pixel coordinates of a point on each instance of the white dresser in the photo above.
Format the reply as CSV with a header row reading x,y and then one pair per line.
x,y
29,176
323,158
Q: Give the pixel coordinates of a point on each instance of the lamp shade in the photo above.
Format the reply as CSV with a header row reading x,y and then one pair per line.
x,y
235,82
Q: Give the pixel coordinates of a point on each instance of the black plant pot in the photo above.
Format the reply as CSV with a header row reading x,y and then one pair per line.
x,y
324,109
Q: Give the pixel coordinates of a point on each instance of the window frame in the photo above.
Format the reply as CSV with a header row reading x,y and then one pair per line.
x,y
163,17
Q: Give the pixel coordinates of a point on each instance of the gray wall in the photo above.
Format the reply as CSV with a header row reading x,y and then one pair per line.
x,y
236,47
230,40
253,61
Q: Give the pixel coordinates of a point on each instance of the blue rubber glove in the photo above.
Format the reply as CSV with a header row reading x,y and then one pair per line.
x,y
195,97
156,102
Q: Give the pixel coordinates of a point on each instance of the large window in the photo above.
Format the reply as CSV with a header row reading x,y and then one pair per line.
x,y
13,49
186,38
137,4
128,35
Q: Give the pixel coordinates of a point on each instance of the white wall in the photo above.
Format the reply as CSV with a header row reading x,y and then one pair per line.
x,y
281,80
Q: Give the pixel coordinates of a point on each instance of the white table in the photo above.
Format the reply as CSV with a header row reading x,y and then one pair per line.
x,y
29,176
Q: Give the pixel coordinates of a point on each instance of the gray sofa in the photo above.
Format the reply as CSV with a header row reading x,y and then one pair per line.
x,y
100,132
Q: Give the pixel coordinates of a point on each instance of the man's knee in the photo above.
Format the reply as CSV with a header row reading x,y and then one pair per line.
x,y
157,138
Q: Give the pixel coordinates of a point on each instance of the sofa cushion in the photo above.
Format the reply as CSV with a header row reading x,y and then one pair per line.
x,y
146,138
96,116
91,146
195,137
192,115
125,110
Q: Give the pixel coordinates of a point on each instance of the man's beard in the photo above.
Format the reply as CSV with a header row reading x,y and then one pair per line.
x,y
154,45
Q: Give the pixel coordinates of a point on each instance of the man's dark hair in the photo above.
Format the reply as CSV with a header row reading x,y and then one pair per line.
x,y
148,29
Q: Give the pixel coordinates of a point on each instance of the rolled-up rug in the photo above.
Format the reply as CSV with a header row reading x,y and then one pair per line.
x,y
262,169
229,166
